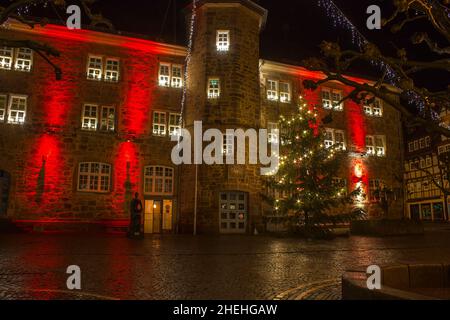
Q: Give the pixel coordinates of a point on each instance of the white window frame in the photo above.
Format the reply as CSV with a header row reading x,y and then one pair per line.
x,y
165,179
20,115
374,184
272,90
95,68
112,70
342,183
228,144
273,132
159,123
212,90
91,174
334,132
24,59
285,96
108,123
174,124
410,146
3,106
329,100
163,77
223,40
89,122
177,78
6,58
372,146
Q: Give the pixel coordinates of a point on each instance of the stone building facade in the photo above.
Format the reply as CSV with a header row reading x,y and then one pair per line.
x,y
74,151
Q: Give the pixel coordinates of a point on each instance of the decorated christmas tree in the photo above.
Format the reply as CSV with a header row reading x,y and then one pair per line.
x,y
306,190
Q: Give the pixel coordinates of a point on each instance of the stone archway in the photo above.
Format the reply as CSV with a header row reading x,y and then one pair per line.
x,y
5,182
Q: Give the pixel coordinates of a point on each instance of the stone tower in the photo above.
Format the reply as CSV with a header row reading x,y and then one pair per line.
x,y
225,56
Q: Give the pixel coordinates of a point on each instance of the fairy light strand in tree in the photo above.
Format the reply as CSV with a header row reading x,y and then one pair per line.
x,y
339,19
187,61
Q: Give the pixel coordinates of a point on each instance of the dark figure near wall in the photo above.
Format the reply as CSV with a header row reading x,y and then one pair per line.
x,y
135,218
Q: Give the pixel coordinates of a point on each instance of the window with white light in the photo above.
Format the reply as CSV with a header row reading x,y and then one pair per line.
x,y
335,138
164,75
374,109
159,123
285,92
108,119
6,58
174,124
24,59
17,109
89,119
95,68
228,144
272,90
112,70
213,88
223,40
273,132
331,99
94,177
376,145
158,180
177,76
3,102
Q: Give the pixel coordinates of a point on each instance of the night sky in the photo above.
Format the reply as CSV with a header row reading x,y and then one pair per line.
x,y
294,30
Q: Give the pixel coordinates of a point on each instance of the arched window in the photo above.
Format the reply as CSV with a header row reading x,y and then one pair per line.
x,y
158,180
94,177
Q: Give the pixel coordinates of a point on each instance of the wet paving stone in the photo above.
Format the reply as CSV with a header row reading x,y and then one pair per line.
x,y
33,266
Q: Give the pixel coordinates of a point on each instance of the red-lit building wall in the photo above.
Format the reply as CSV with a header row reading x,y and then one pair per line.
x,y
43,154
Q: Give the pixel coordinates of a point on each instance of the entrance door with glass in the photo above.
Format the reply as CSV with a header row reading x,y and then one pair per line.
x,y
233,212
158,216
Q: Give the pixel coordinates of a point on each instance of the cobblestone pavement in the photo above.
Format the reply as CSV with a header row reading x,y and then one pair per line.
x,y
32,266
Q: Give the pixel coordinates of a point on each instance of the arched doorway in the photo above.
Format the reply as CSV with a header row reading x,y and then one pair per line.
x,y
5,180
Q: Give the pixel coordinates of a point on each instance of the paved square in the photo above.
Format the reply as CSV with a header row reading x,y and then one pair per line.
x,y
33,266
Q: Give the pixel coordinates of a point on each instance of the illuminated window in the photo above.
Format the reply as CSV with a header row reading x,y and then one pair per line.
x,y
159,123
380,146
272,128
90,117
285,92
331,99
95,68
170,75
376,145
374,109
177,77
108,119
24,59
6,57
272,90
223,40
174,124
228,144
427,141
17,109
112,70
94,177
213,88
370,145
164,75
158,180
3,102
335,138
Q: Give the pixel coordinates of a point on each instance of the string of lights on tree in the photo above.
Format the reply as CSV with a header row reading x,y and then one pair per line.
x,y
339,19
188,59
